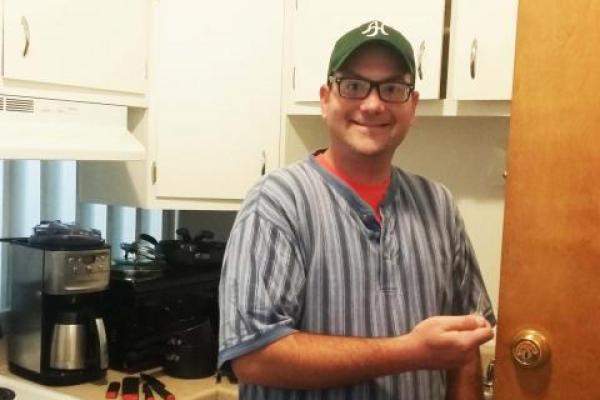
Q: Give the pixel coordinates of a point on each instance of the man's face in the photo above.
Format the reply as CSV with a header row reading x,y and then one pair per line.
x,y
368,127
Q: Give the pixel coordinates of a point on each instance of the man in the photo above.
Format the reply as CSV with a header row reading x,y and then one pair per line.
x,y
347,278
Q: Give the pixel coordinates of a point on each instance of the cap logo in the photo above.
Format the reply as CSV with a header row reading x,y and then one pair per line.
x,y
374,29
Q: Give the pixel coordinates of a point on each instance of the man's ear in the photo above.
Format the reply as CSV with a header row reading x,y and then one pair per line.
x,y
324,93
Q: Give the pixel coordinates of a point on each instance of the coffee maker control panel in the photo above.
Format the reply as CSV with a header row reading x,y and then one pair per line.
x,y
76,271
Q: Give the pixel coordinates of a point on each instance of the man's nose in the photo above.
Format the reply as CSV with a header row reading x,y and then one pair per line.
x,y
373,103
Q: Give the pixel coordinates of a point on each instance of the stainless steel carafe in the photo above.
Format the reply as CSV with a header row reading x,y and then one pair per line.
x,y
67,347
71,342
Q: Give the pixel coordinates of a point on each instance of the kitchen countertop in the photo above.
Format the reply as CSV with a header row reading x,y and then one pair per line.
x,y
183,389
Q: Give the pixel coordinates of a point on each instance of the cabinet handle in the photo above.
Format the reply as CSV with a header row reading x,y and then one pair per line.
x,y
420,58
473,57
263,168
27,35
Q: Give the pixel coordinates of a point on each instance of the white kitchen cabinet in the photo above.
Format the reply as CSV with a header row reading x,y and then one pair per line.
x,y
77,43
482,48
217,97
318,24
214,118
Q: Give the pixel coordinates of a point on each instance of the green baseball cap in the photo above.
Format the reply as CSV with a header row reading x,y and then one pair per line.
x,y
369,32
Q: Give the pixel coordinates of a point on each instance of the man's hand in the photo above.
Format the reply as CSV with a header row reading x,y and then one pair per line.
x,y
447,342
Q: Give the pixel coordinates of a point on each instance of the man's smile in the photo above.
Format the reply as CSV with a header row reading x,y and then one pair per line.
x,y
371,124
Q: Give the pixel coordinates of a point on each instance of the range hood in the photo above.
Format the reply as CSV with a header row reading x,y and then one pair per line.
x,y
43,129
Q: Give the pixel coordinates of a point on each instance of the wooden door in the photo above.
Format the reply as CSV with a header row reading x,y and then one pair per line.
x,y
550,278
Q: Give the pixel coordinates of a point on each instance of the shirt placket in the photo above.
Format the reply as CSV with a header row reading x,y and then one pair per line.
x,y
387,264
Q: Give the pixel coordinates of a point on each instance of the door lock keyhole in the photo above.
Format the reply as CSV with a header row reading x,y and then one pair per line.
x,y
530,349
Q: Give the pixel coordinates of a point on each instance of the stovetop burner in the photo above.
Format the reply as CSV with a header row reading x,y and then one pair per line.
x,y
6,394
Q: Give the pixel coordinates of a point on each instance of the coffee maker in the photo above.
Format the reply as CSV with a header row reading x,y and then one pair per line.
x,y
56,332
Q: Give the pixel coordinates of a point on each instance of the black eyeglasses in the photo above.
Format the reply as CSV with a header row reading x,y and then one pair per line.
x,y
358,89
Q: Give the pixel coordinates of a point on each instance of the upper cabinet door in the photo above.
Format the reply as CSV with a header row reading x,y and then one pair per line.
x,y
318,24
216,96
83,43
482,49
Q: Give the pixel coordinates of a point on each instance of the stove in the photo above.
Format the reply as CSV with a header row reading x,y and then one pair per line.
x,y
19,389
7,394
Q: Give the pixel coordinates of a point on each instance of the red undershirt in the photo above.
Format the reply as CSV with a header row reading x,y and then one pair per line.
x,y
372,194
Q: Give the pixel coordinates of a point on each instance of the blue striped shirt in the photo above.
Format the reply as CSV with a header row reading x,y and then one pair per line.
x,y
306,253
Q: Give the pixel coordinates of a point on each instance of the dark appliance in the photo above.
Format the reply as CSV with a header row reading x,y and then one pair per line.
x,y
201,251
56,332
149,307
192,352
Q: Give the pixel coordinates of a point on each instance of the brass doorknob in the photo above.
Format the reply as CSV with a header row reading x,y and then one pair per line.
x,y
530,349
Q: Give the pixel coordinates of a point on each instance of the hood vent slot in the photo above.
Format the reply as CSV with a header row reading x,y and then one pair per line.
x,y
17,104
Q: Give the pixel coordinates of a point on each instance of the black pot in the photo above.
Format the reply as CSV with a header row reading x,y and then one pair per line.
x,y
207,254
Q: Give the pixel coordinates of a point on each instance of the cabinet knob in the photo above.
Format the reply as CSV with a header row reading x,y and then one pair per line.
x,y
488,381
473,58
264,163
25,25
420,58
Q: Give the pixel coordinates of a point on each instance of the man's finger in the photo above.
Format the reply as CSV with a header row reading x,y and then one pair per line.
x,y
465,322
470,338
481,335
